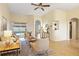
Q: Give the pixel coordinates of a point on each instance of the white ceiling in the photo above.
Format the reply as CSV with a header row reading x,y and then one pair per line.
x,y
28,9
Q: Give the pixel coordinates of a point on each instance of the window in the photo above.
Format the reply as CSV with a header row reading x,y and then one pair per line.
x,y
19,29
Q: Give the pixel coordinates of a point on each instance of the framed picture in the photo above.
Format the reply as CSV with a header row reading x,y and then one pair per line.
x,y
3,23
55,25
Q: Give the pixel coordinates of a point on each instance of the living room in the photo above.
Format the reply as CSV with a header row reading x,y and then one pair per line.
x,y
50,29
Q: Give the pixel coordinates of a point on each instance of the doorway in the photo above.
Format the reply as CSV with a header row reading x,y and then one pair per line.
x,y
70,32
73,29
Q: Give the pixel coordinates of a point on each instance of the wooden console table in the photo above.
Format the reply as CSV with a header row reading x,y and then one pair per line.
x,y
12,47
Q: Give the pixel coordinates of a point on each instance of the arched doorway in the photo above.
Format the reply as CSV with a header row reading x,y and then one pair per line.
x,y
37,27
73,29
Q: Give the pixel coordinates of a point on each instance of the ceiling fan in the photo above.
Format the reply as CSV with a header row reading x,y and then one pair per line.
x,y
40,5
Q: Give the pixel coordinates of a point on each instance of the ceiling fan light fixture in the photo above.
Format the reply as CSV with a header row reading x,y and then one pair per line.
x,y
40,5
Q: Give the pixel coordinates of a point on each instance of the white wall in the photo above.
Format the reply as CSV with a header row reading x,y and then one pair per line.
x,y
60,16
61,33
4,11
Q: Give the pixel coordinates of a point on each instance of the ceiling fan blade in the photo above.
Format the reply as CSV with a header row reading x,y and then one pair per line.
x,y
45,5
36,8
34,4
42,9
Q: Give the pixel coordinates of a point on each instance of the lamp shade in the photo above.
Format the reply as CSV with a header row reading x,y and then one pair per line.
x,y
7,33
